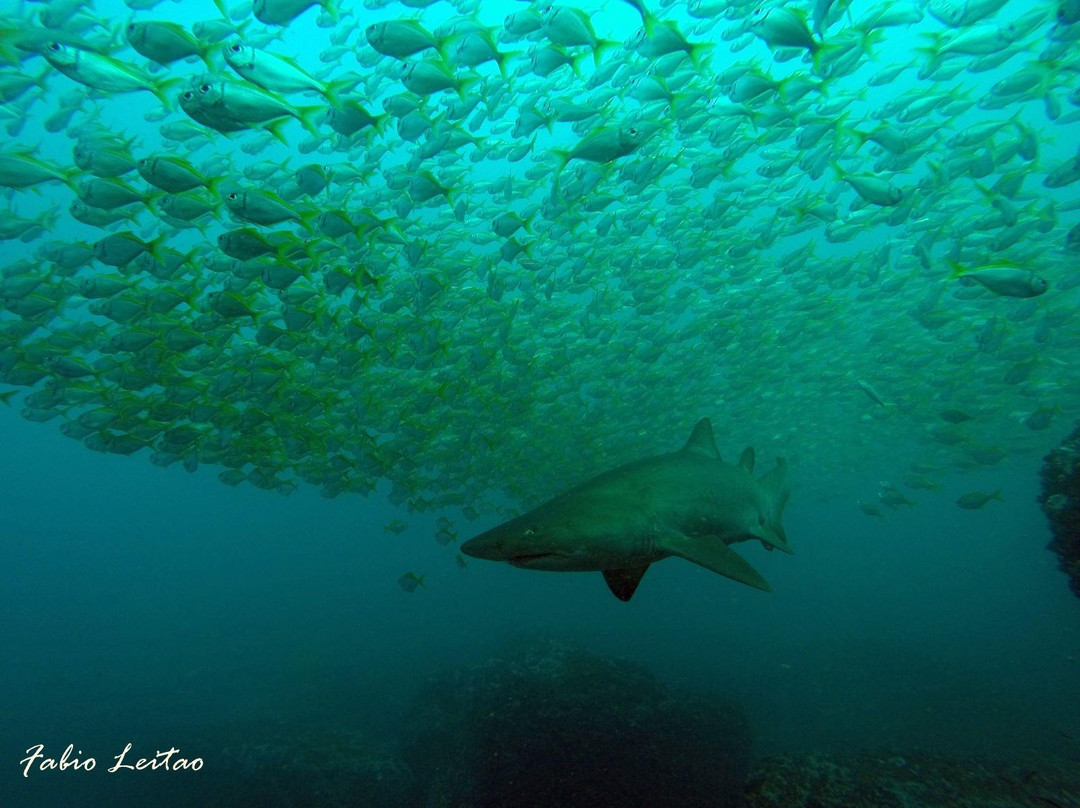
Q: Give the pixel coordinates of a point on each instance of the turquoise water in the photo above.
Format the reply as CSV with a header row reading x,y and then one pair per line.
x,y
429,381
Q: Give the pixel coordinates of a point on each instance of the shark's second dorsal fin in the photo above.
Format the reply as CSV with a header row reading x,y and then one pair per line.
x,y
746,460
623,583
702,442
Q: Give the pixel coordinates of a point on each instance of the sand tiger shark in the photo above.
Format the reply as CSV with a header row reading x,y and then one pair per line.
x,y
688,503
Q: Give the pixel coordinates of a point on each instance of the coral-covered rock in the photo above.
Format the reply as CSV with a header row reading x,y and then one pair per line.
x,y
547,724
887,780
330,768
1060,501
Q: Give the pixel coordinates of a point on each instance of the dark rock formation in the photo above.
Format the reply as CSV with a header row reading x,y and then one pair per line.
x,y
329,768
547,724
887,780
1060,501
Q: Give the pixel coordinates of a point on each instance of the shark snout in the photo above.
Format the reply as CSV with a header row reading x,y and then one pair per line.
x,y
490,548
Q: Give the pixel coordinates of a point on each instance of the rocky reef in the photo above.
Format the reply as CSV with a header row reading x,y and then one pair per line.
x,y
550,724
1060,501
889,780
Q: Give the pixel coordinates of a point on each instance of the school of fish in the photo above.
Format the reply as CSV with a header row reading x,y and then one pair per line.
x,y
452,250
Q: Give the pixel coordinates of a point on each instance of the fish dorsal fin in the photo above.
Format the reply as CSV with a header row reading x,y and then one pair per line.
x,y
746,460
702,442
623,583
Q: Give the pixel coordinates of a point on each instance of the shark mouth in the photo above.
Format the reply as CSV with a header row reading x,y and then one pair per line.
x,y
526,559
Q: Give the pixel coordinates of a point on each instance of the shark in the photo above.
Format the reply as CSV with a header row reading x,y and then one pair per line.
x,y
689,504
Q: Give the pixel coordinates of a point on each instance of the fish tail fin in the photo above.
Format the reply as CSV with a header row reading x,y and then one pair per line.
x,y
333,90
332,10
162,89
563,157
778,490
307,220
576,61
307,115
465,85
697,51
957,270
157,247
647,18
381,122
997,495
6,396
275,129
602,47
503,58
713,555
933,57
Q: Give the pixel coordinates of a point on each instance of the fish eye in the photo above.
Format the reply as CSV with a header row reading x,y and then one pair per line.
x,y
133,26
236,47
55,47
234,196
187,96
204,88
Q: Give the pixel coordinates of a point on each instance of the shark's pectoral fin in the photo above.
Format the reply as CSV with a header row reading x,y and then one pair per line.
x,y
623,583
713,554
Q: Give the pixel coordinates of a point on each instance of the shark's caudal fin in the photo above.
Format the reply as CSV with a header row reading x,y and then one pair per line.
x,y
623,583
777,490
712,555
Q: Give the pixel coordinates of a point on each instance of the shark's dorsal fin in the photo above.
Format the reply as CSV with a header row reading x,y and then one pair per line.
x,y
623,583
746,460
702,442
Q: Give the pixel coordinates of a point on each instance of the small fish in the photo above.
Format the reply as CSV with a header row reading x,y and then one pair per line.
x,y
1002,279
977,499
956,416
397,527
921,483
871,392
399,39
870,509
784,27
893,497
409,581
875,190
282,12
1042,418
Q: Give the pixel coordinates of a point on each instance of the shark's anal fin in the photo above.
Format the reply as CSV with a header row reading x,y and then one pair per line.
x,y
623,583
712,554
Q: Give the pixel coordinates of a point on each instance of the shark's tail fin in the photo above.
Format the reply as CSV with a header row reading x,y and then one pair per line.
x,y
777,490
